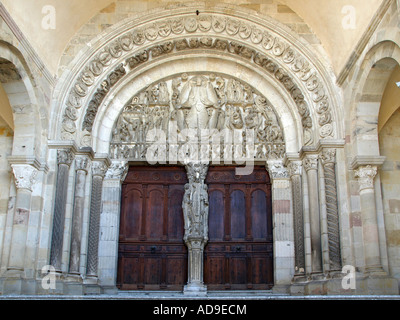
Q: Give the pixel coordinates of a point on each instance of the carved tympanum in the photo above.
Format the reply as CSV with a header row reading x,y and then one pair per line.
x,y
218,116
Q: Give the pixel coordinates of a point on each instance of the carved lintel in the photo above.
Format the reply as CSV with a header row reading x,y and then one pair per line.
x,y
365,176
25,176
117,171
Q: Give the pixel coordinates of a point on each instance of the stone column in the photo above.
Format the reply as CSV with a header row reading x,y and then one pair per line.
x,y
365,176
295,171
311,167
109,224
64,158
195,212
328,159
99,170
24,179
81,170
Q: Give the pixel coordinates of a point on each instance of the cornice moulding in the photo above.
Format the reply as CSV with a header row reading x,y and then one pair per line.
x,y
359,161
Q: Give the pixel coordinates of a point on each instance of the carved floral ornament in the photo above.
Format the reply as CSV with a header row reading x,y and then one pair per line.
x,y
247,40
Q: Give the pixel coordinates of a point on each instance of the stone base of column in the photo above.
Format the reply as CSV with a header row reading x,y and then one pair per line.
x,y
91,285
363,285
73,285
378,285
195,289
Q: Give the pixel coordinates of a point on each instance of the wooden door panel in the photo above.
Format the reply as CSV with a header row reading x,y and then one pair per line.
x,y
238,270
152,254
155,213
175,271
214,270
259,214
132,215
216,214
175,214
238,214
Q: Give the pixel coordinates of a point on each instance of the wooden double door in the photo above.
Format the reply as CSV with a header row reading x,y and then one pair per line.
x,y
239,253
152,254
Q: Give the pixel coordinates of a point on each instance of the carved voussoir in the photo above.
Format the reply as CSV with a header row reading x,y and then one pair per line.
x,y
251,41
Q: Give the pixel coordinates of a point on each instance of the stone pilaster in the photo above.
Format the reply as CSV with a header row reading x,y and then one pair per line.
x,y
311,166
195,211
81,169
284,263
64,158
109,224
328,159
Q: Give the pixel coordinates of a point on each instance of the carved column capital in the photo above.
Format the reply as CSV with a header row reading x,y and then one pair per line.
x,y
365,176
328,157
82,163
99,169
277,170
311,162
295,168
25,176
65,156
117,171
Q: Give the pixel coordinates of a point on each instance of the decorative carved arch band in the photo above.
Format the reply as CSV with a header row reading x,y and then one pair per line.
x,y
278,53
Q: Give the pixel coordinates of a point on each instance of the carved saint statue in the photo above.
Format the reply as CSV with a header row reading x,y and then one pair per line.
x,y
195,203
197,95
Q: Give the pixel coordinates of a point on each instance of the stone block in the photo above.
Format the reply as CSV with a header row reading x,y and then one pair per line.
x,y
297,289
315,288
377,286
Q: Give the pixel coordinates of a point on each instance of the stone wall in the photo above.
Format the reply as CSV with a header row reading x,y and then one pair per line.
x,y
390,177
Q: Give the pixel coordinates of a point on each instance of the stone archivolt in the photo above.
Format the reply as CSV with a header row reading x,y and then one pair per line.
x,y
275,54
214,104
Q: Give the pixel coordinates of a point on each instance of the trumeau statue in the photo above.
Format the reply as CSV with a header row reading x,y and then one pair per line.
x,y
195,202
198,107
